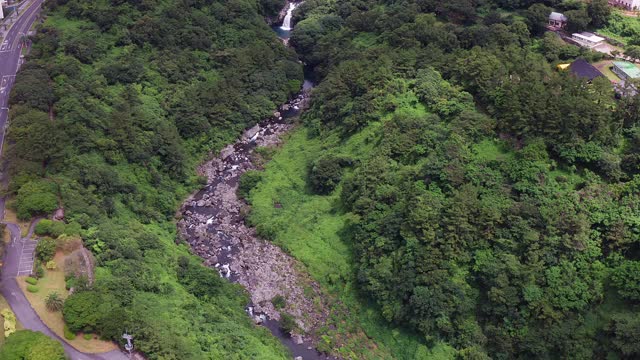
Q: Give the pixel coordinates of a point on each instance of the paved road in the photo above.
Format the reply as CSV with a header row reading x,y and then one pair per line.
x,y
10,50
18,253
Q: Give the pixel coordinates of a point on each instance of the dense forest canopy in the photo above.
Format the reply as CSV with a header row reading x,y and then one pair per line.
x,y
492,201
498,207
117,103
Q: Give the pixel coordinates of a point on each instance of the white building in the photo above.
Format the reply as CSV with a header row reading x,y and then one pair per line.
x,y
587,39
627,4
558,20
3,3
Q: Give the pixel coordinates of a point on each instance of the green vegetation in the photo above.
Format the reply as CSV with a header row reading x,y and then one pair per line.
x,y
287,322
489,203
9,322
68,334
116,105
46,249
33,288
279,301
54,302
32,281
31,345
625,29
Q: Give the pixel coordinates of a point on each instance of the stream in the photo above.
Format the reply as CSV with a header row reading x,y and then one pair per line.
x,y
213,225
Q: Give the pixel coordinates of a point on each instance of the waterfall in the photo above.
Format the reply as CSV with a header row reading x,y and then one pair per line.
x,y
286,24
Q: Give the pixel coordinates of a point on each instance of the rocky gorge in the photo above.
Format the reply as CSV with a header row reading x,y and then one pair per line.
x,y
212,223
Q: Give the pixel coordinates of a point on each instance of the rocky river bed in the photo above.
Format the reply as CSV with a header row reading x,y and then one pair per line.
x,y
212,222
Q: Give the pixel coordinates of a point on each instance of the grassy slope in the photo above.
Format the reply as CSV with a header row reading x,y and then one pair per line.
x,y
310,226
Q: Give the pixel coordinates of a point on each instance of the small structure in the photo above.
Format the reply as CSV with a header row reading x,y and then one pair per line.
x,y
625,70
582,69
558,20
587,39
626,4
2,5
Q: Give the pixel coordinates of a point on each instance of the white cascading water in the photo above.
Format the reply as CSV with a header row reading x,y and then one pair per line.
x,y
286,24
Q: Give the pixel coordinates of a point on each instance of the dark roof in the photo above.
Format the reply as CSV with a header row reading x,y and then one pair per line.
x,y
582,69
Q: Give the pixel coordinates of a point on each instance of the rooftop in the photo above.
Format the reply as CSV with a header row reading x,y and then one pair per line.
x,y
557,16
628,68
582,69
588,36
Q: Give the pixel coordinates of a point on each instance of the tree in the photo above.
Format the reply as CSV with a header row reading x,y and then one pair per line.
x,y
625,329
632,51
599,11
31,345
46,249
54,302
36,197
537,18
325,174
578,20
626,278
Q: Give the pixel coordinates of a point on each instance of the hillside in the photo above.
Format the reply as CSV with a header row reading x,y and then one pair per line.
x,y
449,174
116,105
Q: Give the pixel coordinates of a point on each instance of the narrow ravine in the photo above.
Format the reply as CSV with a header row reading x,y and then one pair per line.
x,y
213,224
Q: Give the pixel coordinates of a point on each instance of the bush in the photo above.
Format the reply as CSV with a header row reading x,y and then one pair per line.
x,y
46,249
9,322
32,281
54,302
248,181
50,227
87,336
32,345
39,271
279,302
68,334
325,174
33,288
287,322
36,197
51,265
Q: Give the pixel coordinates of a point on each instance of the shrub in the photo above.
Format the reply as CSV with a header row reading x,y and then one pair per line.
x,y
248,181
32,281
54,302
9,322
36,197
287,322
51,265
87,336
39,270
325,174
50,227
46,249
33,288
279,302
68,334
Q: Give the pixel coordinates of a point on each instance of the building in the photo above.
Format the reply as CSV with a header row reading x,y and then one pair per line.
x,y
625,70
627,4
582,69
558,20
587,39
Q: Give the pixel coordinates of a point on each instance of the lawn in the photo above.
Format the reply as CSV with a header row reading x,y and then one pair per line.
x,y
605,67
54,281
309,228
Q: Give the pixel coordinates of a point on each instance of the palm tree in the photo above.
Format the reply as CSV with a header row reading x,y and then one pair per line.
x,y
54,302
